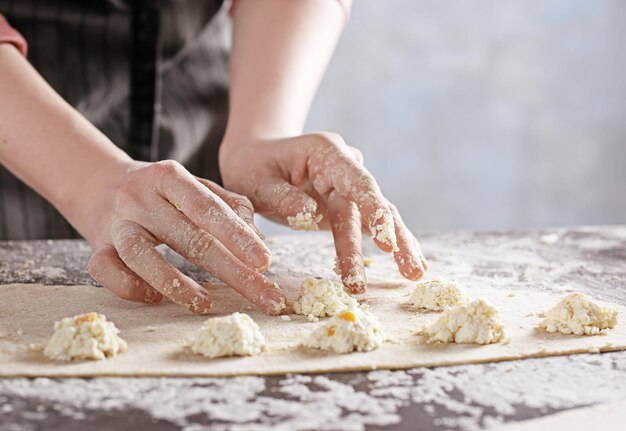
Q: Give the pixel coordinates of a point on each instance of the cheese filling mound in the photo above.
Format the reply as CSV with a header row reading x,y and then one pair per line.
x,y
87,336
304,220
233,335
349,331
322,298
578,314
437,295
477,322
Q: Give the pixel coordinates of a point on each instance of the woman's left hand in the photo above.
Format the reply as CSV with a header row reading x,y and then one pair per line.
x,y
317,178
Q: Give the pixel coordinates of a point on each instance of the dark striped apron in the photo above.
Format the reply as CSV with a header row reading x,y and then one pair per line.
x,y
151,75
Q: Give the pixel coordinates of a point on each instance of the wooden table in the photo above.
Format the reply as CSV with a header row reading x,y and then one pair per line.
x,y
590,259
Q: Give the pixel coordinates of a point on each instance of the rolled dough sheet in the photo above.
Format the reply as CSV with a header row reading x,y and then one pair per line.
x,y
605,417
156,334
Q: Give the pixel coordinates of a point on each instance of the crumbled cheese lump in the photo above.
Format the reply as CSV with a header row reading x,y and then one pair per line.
x,y
87,336
384,232
321,297
349,331
304,220
578,314
477,322
437,295
233,335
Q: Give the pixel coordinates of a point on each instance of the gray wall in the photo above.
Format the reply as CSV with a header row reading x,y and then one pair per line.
x,y
486,113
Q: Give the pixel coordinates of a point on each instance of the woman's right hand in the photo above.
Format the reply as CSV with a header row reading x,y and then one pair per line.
x,y
131,207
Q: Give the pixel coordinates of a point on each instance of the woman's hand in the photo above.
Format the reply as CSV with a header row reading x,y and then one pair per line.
x,y
318,178
131,207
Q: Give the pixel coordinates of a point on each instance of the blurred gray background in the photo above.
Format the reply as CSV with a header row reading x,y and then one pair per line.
x,y
485,114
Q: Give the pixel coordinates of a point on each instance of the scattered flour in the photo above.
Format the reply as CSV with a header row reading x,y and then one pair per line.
x,y
49,272
578,314
549,238
466,398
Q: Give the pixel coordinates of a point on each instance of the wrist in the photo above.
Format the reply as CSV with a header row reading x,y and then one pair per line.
x,y
83,204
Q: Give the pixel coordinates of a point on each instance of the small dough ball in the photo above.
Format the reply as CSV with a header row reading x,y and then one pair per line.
x,y
477,322
304,220
349,331
320,298
577,314
233,335
87,336
437,295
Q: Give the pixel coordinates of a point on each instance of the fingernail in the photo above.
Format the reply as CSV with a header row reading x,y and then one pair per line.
x,y
354,281
201,304
273,301
152,296
413,270
260,259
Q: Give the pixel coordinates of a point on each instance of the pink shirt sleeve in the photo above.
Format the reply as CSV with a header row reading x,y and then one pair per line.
x,y
346,4
9,35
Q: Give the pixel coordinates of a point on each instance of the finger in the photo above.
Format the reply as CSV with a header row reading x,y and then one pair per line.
x,y
136,248
409,256
238,203
211,214
106,267
205,251
333,167
345,223
358,155
289,203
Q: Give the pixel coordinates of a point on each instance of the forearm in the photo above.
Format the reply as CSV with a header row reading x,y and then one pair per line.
x,y
280,51
43,140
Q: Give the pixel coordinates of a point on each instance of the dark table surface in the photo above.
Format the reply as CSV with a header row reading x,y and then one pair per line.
x,y
588,259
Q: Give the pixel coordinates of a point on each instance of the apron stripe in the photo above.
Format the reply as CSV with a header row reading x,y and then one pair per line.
x,y
144,66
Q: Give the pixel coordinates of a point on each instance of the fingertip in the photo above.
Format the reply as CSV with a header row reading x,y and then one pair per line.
x,y
152,296
354,278
261,259
413,274
409,266
201,303
275,307
356,289
272,300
